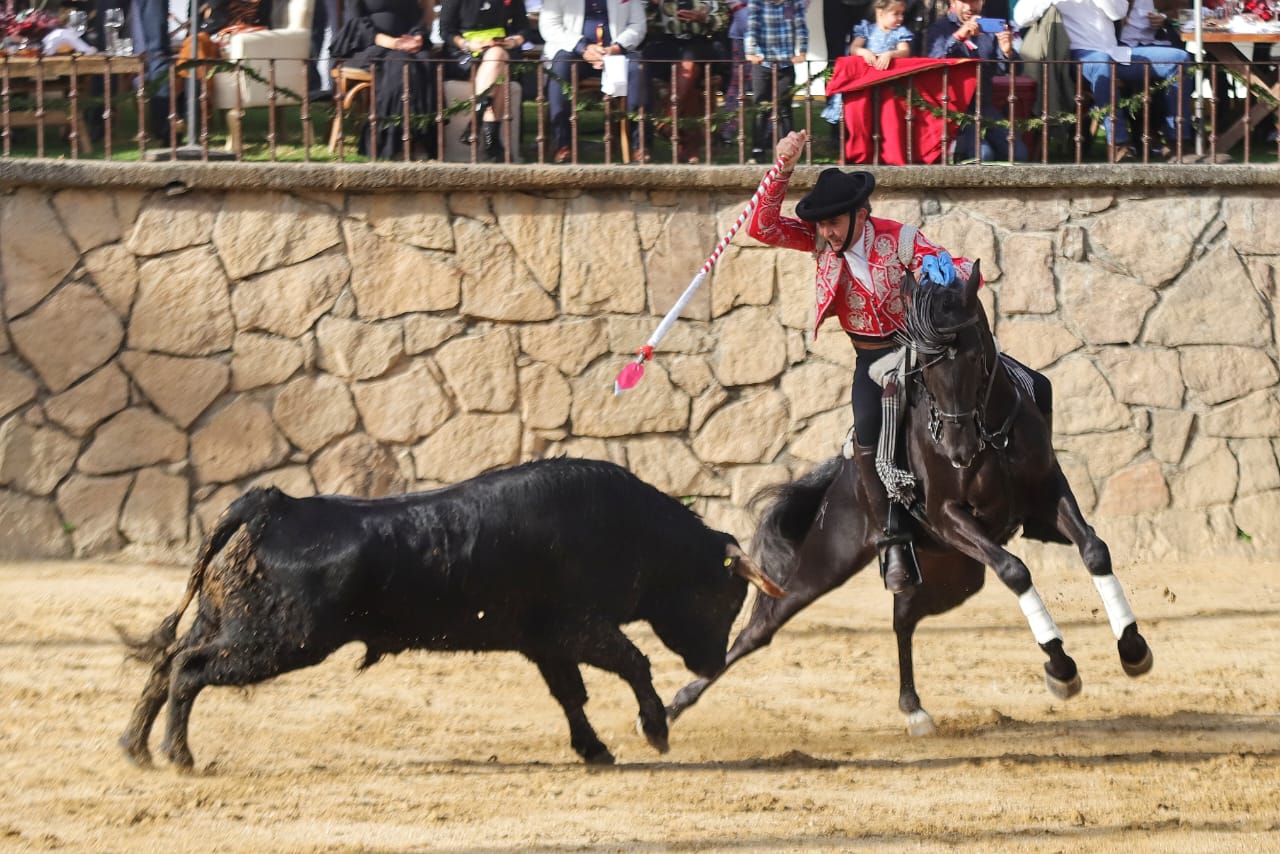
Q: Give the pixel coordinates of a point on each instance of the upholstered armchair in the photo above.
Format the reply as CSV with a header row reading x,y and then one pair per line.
x,y
288,42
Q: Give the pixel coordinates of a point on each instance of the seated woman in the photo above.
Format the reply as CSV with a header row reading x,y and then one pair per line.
x,y
688,33
388,36
489,32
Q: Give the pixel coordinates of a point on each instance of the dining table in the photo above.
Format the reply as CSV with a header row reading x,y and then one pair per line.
x,y
1226,46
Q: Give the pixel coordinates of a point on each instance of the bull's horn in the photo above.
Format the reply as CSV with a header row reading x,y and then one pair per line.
x,y
742,565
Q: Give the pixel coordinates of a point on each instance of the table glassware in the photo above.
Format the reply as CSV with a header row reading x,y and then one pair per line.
x,y
114,22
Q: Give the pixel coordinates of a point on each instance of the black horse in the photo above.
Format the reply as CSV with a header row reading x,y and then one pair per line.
x,y
983,466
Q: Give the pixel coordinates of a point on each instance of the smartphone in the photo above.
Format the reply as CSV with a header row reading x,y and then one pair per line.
x,y
684,4
992,25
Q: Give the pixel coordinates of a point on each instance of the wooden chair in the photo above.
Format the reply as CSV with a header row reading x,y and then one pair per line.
x,y
350,86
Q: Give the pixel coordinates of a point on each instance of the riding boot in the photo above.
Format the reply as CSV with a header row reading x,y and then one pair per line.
x,y
490,135
896,564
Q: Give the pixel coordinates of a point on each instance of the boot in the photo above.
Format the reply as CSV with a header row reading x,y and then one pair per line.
x,y
896,564
491,137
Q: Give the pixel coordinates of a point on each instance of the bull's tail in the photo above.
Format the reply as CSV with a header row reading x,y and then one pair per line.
x,y
154,647
789,512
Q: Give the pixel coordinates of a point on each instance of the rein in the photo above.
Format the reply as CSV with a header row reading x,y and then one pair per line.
x,y
925,339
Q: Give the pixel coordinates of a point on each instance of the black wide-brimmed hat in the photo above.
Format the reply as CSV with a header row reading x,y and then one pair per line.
x,y
835,193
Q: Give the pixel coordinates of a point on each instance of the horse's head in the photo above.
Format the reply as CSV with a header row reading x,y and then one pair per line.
x,y
947,329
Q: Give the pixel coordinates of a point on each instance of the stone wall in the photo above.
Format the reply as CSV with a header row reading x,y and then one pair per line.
x,y
163,348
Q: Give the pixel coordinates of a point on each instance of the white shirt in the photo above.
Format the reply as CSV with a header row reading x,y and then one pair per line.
x,y
1090,24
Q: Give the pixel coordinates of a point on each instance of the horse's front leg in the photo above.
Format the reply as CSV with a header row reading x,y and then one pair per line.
x,y
905,620
963,532
1135,654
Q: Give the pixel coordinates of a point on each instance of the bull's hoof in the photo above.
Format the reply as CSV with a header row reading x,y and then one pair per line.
x,y
1063,689
598,755
1135,654
657,740
920,723
135,752
180,757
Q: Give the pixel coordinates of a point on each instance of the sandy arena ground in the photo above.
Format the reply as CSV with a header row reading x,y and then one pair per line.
x,y
801,747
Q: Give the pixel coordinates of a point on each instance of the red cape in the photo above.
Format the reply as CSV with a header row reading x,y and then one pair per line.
x,y
871,104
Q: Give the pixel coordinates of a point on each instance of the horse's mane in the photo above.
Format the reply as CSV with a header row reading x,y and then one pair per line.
x,y
933,314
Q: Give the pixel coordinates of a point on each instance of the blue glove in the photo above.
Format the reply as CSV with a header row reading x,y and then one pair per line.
x,y
939,269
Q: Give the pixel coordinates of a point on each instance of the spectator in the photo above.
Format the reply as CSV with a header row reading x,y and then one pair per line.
x,y
737,57
879,43
777,40
1091,30
959,35
324,24
884,40
489,32
838,20
150,21
1150,23
389,36
589,30
684,33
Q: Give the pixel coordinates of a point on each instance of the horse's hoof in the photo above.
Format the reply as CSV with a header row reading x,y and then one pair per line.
x,y
1063,690
1135,654
1138,668
919,723
658,741
686,697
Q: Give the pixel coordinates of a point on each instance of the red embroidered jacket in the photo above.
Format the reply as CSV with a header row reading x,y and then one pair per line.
x,y
864,308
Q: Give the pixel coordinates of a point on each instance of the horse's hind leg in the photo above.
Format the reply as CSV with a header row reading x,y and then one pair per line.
x,y
1135,654
819,571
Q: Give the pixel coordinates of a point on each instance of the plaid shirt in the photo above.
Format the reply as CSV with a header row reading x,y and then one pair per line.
x,y
776,29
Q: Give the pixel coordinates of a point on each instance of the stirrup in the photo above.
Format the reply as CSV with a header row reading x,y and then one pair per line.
x,y
915,577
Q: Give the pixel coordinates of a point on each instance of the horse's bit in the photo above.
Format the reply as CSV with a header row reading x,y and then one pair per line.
x,y
998,439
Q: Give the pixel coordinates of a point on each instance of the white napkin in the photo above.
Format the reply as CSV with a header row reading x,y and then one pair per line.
x,y
55,39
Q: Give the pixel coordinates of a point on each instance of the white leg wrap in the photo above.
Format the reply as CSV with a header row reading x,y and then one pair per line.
x,y
1043,628
1117,606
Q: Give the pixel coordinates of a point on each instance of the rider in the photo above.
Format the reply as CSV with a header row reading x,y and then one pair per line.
x,y
861,263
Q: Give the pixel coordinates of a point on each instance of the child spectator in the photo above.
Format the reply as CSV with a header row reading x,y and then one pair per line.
x,y
878,42
777,39
885,40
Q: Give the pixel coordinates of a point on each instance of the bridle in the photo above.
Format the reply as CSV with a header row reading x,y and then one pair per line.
x,y
937,344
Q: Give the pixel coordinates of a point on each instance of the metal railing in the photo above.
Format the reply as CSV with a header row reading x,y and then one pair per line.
x,y
100,107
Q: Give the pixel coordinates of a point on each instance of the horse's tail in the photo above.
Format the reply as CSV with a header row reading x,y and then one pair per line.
x,y
155,646
789,511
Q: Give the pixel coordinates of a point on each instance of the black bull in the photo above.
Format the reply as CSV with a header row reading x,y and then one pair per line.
x,y
548,559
